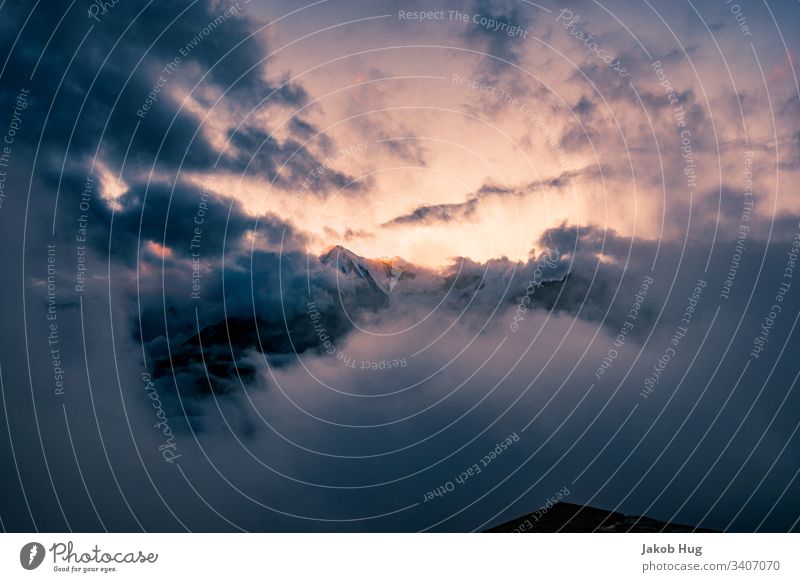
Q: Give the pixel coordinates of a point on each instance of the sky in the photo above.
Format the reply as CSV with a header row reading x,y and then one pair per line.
x,y
573,231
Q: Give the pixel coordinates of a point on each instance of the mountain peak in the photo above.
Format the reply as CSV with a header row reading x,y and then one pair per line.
x,y
381,275
338,252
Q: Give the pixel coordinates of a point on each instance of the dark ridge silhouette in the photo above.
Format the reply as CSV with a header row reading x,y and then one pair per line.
x,y
571,518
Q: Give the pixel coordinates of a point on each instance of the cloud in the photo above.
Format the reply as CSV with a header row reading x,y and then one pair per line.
x,y
124,97
486,194
502,25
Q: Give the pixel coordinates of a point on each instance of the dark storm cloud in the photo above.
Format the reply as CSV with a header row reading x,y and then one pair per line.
x,y
107,91
248,300
160,213
119,83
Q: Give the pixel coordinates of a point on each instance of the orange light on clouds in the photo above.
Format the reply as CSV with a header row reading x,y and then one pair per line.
x,y
158,249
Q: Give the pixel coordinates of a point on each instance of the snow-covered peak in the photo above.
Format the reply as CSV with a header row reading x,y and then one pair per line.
x,y
380,274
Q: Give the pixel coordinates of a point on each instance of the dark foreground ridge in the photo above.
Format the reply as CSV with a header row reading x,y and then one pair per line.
x,y
571,518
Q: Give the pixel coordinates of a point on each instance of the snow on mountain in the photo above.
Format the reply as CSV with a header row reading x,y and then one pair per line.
x,y
372,283
377,275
